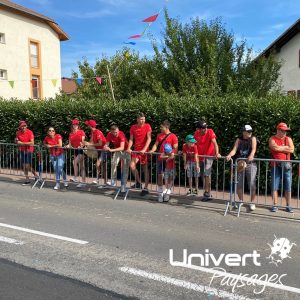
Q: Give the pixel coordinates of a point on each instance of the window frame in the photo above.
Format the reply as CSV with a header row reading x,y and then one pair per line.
x,y
2,38
5,74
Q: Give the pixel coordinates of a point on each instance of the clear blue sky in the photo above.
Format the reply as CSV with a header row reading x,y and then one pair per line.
x,y
99,27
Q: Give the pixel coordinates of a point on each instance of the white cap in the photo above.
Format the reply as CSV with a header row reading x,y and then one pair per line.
x,y
247,128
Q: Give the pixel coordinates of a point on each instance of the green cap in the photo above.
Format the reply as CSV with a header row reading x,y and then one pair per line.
x,y
190,138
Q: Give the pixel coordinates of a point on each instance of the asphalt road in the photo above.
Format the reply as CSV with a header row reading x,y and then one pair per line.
x,y
19,282
123,246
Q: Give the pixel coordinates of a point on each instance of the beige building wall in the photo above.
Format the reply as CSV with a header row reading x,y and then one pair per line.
x,y
290,70
15,57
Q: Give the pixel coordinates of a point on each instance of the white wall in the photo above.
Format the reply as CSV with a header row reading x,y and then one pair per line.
x,y
14,56
290,71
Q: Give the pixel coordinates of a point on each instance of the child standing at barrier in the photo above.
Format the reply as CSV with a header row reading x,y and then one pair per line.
x,y
166,137
120,143
170,170
97,140
53,141
76,141
245,147
25,139
191,163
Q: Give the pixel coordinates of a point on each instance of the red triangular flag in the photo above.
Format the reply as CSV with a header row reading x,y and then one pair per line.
x,y
135,36
99,79
151,19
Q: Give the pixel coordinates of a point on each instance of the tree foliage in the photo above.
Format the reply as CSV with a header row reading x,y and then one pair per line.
x,y
197,58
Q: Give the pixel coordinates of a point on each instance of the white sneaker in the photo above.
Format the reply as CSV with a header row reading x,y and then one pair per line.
x,y
123,189
81,185
252,206
161,197
66,183
111,183
57,186
167,195
96,181
74,179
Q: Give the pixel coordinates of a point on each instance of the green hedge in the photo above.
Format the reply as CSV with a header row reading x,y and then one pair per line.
x,y
225,115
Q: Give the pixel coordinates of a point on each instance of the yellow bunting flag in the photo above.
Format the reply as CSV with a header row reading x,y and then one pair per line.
x,y
54,82
11,83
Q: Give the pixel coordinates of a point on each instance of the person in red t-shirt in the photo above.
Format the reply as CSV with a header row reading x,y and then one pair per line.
x,y
140,137
25,138
97,140
191,163
281,147
163,138
53,141
207,146
76,142
118,139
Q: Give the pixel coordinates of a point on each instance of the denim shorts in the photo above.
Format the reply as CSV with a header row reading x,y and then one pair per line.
x,y
78,151
276,174
206,166
191,170
102,156
169,174
26,157
161,165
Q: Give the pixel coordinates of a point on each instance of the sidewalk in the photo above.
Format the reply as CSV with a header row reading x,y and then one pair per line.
x,y
217,204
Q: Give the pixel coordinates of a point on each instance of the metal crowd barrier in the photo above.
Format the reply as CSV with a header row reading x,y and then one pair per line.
x,y
263,185
221,183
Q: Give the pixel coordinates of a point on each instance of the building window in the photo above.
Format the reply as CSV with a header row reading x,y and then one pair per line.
x,y
34,55
2,38
3,74
35,84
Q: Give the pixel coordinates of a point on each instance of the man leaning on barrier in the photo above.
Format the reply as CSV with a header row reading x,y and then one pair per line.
x,y
281,147
140,138
25,139
120,144
245,147
97,140
207,146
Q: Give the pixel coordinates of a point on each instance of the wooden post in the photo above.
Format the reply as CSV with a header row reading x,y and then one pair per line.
x,y
110,83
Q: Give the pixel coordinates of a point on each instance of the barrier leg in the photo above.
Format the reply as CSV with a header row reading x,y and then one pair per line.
x,y
227,207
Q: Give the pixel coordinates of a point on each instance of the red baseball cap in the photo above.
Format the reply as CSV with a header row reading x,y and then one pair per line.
x,y
91,123
22,123
75,122
283,127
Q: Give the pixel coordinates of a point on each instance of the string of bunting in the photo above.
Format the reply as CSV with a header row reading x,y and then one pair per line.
x,y
100,79
34,82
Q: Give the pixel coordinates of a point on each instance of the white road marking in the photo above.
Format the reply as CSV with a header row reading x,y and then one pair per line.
x,y
59,237
251,280
10,241
184,284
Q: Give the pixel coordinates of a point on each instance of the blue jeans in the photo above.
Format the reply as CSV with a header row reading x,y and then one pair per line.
x,y
58,163
276,173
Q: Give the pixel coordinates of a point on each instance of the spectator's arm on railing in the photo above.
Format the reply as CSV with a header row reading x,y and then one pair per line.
x,y
121,148
147,142
253,151
130,143
154,147
31,143
214,141
233,150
